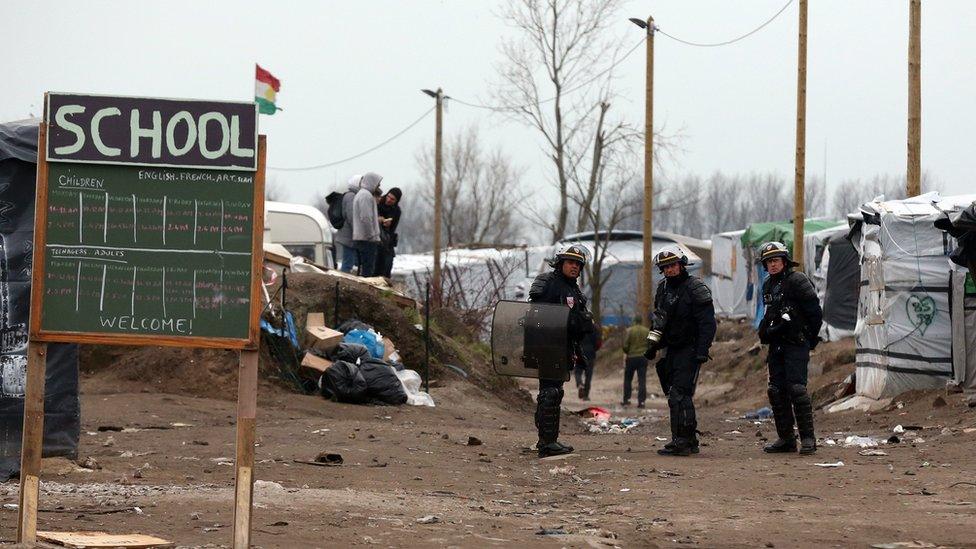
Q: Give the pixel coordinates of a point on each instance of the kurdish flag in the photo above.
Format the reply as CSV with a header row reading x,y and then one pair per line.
x,y
266,89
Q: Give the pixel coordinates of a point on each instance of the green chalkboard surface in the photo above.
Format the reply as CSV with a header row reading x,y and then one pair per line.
x,y
147,251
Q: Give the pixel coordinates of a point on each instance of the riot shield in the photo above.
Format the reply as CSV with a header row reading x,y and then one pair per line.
x,y
530,340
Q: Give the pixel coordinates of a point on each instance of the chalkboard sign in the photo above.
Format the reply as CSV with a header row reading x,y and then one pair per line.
x,y
149,217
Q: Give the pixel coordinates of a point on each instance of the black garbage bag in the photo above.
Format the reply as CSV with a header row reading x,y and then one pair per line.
x,y
382,383
349,352
353,324
962,226
344,382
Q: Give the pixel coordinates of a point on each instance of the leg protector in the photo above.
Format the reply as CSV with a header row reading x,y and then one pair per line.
x,y
547,414
681,441
803,408
779,401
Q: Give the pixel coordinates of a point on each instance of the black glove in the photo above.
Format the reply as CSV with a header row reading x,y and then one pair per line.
x,y
650,353
701,359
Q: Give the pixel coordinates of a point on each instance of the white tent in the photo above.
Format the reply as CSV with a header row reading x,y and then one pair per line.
x,y
913,330
730,277
832,264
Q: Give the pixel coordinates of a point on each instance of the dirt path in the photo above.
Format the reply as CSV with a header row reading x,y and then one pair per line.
x,y
404,464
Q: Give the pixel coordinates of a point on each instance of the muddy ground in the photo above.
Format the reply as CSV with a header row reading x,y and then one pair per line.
x,y
410,477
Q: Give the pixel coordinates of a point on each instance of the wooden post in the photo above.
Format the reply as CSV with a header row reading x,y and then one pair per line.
x,y
645,298
799,209
438,191
32,443
914,175
247,403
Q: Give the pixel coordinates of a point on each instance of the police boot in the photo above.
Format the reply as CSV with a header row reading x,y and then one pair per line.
x,y
803,408
678,446
783,416
547,422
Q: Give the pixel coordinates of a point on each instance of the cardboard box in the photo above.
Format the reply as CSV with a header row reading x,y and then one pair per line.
x,y
388,348
313,366
320,337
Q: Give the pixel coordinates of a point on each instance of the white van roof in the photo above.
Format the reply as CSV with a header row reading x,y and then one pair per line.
x,y
308,218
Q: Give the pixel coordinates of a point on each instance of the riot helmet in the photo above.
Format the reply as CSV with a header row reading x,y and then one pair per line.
x,y
670,256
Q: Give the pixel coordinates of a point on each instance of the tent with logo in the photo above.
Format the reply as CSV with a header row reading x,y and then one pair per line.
x,y
916,322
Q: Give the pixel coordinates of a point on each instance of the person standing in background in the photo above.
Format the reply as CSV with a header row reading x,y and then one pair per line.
x,y
583,370
389,215
365,223
348,256
635,345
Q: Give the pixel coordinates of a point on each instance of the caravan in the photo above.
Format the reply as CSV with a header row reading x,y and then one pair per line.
x,y
301,229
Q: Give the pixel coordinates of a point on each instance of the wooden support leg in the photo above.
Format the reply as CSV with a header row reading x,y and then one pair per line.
x,y
31,445
247,403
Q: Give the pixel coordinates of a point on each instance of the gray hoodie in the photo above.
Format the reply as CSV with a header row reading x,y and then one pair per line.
x,y
344,235
365,220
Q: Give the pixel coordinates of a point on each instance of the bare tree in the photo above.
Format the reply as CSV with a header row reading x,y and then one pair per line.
x,y
570,43
850,194
274,190
481,193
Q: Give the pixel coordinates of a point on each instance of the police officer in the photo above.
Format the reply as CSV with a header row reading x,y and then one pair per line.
x,y
560,286
684,317
790,327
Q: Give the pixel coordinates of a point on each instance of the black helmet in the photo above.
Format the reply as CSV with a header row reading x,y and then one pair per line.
x,y
670,256
573,252
771,250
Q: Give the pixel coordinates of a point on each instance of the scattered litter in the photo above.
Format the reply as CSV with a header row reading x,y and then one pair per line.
x,y
551,532
625,489
873,453
763,413
946,431
859,441
567,470
180,425
830,442
918,441
893,439
595,412
429,519
898,430
660,439
101,539
11,506
329,458
603,426
838,464
968,430
90,463
904,545
474,441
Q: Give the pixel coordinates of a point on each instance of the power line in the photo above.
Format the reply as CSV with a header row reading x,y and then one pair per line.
x,y
553,98
355,156
727,42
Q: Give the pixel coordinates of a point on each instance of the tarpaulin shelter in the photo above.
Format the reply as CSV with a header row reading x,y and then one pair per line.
x,y
916,324
832,263
729,281
759,233
18,173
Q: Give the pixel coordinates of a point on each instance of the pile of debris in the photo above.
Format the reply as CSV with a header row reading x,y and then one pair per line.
x,y
356,364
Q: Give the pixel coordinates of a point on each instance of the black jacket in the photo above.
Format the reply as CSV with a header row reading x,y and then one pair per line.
x,y
686,304
388,235
792,293
553,287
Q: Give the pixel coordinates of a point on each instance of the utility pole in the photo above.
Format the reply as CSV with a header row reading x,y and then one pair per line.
x,y
438,191
799,208
645,299
914,175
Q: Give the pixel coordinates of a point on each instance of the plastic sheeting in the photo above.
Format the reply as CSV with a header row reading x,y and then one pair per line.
x,y
904,330
18,152
730,277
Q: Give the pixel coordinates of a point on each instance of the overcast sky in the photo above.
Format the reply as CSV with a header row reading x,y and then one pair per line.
x,y
351,73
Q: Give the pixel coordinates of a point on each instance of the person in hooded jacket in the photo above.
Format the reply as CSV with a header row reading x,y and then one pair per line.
x,y
348,256
389,212
791,328
559,286
365,223
684,315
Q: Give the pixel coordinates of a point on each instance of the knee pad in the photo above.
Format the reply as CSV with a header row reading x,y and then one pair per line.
x,y
549,396
798,391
